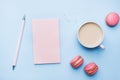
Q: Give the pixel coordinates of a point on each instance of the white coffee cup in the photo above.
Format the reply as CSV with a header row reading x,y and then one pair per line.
x,y
90,35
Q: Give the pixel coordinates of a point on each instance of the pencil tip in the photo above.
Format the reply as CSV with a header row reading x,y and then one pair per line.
x,y
13,67
24,17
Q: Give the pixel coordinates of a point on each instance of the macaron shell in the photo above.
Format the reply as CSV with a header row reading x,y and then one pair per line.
x,y
112,19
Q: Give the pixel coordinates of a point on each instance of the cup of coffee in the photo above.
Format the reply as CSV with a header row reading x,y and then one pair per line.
x,y
90,35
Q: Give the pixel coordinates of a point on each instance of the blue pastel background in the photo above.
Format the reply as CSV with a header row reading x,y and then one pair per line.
x,y
72,13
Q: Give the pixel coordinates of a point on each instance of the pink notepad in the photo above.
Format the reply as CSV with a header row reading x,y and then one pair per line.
x,y
46,41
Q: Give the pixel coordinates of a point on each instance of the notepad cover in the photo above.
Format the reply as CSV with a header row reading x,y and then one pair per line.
x,y
46,41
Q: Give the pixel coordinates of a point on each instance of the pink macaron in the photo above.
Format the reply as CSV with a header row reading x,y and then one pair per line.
x,y
91,68
112,19
77,62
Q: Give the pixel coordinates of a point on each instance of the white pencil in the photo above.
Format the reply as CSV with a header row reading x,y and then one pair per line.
x,y
19,42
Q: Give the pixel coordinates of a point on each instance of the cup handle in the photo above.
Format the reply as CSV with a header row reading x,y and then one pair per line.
x,y
102,46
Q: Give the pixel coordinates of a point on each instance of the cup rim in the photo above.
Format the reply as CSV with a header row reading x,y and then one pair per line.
x,y
99,41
